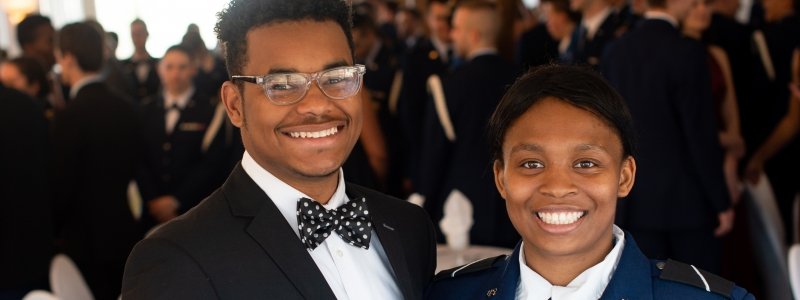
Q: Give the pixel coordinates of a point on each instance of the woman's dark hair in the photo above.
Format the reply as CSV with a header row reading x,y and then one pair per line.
x,y
576,85
34,72
241,16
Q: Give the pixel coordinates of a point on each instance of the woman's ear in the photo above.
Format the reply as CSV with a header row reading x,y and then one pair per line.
x,y
499,177
627,177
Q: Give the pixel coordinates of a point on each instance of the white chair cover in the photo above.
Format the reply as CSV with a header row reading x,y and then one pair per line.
x,y
794,269
767,235
66,280
40,295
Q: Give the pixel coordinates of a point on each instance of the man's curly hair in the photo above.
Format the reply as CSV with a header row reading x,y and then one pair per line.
x,y
241,16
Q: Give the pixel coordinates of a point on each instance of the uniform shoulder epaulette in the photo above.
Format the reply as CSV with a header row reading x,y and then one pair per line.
x,y
688,274
475,266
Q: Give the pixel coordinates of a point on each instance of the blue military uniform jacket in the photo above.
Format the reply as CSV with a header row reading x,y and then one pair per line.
x,y
636,277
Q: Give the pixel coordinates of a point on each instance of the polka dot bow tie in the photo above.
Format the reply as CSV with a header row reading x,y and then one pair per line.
x,y
350,221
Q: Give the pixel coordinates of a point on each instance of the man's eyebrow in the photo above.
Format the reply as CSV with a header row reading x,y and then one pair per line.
x,y
527,147
281,70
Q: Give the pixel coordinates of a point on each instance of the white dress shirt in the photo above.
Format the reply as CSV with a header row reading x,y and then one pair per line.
x,y
588,285
351,272
173,115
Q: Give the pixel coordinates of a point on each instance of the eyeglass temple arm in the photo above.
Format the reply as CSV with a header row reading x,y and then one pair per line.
x,y
251,79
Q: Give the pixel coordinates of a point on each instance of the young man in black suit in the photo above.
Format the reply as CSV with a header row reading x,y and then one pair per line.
x,y
461,162
184,158
95,140
285,225
680,205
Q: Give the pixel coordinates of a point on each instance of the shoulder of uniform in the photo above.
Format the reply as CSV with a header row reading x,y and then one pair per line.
x,y
676,271
473,267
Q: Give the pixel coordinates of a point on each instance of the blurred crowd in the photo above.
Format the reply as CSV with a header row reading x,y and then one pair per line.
x,y
98,150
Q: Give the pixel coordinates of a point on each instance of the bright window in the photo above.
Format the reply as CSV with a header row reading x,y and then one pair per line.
x,y
166,21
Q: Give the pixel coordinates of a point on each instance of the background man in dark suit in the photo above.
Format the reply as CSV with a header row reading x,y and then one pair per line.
x,y
596,30
679,205
261,236
95,142
141,67
26,232
462,163
184,158
430,55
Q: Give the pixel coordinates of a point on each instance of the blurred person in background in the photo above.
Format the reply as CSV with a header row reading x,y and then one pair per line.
x,y
141,66
429,56
95,141
35,35
211,71
27,75
723,92
26,222
680,206
460,162
184,158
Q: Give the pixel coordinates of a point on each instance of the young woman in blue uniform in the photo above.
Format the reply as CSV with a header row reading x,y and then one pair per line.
x,y
562,141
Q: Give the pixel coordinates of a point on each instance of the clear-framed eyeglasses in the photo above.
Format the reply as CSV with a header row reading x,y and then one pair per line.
x,y
290,88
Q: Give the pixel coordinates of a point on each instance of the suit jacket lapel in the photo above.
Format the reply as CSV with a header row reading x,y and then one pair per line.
x,y
387,231
276,237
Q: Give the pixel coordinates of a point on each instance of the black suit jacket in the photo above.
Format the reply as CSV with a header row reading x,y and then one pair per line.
x,y
26,232
472,93
151,84
237,245
422,61
95,141
176,164
664,79
585,51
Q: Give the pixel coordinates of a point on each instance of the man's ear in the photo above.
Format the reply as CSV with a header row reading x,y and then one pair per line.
x,y
234,104
627,176
499,178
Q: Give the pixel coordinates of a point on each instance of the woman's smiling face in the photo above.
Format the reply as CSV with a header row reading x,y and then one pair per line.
x,y
561,173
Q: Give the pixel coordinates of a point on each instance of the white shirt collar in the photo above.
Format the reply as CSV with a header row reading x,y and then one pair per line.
x,y
182,100
285,196
593,23
660,15
588,285
73,92
481,51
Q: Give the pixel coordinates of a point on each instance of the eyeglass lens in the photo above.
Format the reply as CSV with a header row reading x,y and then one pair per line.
x,y
336,83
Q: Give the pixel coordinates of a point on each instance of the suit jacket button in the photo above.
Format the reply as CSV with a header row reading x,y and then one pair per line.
x,y
660,265
166,146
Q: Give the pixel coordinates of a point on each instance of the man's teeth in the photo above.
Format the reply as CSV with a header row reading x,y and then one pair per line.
x,y
314,134
560,218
